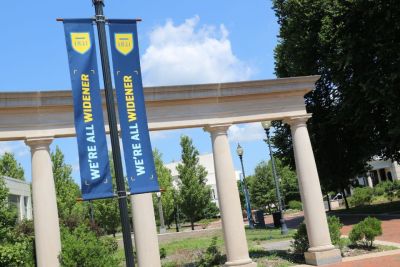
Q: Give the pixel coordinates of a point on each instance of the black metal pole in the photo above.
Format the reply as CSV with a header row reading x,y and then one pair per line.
x,y
91,212
247,197
284,229
116,151
176,213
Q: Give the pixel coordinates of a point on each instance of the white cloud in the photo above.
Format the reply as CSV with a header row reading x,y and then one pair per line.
x,y
156,135
189,53
18,148
246,132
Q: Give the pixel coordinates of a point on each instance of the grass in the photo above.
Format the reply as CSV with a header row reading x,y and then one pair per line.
x,y
374,208
186,251
267,234
198,243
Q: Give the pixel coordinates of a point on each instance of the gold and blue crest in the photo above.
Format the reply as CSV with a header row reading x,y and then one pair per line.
x,y
80,42
124,43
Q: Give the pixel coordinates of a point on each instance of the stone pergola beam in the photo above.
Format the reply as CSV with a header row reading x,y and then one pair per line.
x,y
50,113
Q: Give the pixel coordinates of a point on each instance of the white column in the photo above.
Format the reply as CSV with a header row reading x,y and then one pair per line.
x,y
145,231
45,214
22,213
29,208
369,180
321,250
228,197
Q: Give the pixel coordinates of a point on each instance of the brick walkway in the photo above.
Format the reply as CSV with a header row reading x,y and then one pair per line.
x,y
384,261
391,233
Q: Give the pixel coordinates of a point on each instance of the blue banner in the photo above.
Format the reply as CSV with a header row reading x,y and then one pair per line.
x,y
141,174
88,113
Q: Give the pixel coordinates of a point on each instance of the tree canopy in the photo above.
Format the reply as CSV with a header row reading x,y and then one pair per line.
x,y
262,185
69,210
353,46
10,167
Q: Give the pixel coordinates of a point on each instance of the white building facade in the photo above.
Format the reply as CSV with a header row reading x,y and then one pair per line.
x,y
207,161
19,195
381,171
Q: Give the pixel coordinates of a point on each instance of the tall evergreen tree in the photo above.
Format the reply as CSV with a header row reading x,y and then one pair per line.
x,y
10,167
195,195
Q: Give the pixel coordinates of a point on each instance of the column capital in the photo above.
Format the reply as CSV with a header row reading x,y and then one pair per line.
x,y
217,128
39,143
296,121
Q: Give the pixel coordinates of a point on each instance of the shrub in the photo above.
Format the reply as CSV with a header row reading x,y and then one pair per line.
x,y
163,253
81,247
212,256
300,239
361,196
379,189
366,231
205,223
300,242
334,225
295,205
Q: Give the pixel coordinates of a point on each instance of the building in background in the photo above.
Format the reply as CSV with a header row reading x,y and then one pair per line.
x,y
381,171
207,161
19,195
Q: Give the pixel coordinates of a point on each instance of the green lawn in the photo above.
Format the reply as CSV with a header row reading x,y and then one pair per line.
x,y
188,250
374,208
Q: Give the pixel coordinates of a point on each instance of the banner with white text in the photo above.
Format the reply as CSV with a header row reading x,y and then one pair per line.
x,y
88,113
141,174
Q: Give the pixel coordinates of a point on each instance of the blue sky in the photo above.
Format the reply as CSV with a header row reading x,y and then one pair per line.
x,y
181,42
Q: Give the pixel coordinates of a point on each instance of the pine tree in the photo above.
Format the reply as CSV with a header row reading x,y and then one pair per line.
x,y
10,167
195,195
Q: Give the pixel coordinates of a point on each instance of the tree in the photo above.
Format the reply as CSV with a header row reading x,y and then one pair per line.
x,y
262,192
194,194
70,211
353,46
81,247
106,211
167,196
16,247
262,185
10,167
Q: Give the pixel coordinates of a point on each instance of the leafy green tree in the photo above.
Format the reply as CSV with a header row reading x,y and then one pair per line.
x,y
262,186
70,211
353,46
16,246
81,247
106,211
10,167
194,194
262,192
167,196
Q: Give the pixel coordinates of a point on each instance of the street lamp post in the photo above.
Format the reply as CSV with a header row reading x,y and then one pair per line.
x,y
239,152
161,213
266,125
176,212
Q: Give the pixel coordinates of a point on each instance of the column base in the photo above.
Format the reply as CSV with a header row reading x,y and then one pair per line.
x,y
323,257
241,263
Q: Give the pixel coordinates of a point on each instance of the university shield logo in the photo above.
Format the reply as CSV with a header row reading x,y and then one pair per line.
x,y
80,42
124,43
